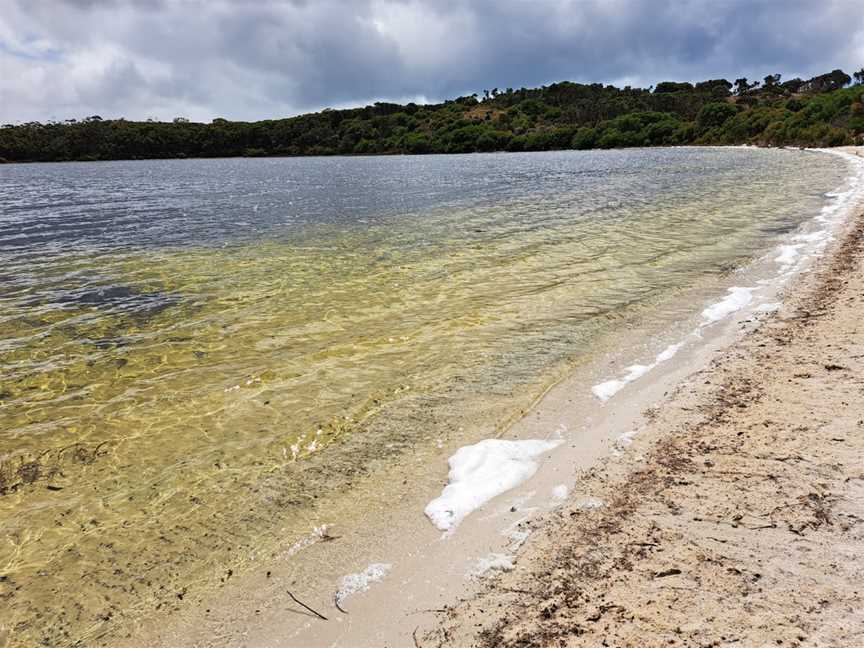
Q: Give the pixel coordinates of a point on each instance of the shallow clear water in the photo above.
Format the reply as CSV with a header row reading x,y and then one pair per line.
x,y
196,352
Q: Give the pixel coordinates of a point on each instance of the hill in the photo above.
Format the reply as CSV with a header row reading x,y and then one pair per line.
x,y
822,111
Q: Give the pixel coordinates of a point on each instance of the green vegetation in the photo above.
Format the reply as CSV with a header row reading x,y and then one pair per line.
x,y
822,111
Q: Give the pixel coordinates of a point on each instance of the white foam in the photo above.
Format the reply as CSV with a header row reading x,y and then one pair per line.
x,y
841,202
517,538
803,246
318,533
353,583
559,492
590,503
788,254
606,390
622,442
668,353
790,257
480,472
626,439
492,562
811,237
737,299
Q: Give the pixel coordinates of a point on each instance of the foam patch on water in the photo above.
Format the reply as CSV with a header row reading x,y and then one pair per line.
x,y
811,237
480,472
354,583
805,245
560,492
840,203
606,390
788,254
793,256
737,299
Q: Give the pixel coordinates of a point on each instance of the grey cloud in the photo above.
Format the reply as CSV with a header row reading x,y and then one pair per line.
x,y
248,60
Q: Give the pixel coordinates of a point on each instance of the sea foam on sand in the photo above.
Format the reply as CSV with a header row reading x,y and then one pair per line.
x,y
353,583
737,299
788,253
606,390
480,472
492,562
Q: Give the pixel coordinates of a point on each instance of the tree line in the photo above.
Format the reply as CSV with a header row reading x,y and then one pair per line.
x,y
827,110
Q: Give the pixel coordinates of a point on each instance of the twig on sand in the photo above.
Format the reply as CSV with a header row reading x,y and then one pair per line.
x,y
414,635
301,603
336,603
423,610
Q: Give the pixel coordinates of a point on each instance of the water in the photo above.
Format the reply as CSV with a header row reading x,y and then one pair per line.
x,y
199,356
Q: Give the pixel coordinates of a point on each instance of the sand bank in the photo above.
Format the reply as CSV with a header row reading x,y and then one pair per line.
x,y
733,518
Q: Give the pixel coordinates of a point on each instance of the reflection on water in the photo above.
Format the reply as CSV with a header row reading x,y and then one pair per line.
x,y
195,353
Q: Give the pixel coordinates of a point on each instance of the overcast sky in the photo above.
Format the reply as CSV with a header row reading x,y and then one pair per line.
x,y
251,59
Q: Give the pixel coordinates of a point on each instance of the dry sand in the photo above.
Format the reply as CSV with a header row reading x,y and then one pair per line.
x,y
735,518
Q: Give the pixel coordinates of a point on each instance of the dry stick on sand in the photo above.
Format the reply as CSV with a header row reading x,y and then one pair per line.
x,y
298,602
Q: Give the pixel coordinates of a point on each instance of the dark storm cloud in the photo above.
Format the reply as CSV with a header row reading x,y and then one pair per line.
x,y
254,59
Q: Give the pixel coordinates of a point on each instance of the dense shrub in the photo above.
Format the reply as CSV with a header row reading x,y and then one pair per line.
x,y
715,114
819,111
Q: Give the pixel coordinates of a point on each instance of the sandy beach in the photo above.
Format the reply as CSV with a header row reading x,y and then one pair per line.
x,y
734,518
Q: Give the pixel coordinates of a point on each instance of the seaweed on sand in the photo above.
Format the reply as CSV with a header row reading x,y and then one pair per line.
x,y
25,470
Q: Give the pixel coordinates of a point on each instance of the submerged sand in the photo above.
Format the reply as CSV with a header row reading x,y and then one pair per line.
x,y
732,517
736,516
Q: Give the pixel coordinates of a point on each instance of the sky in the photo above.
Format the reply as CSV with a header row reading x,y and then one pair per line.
x,y
257,59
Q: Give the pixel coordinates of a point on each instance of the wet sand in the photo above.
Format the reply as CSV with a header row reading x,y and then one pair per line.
x,y
746,442
734,518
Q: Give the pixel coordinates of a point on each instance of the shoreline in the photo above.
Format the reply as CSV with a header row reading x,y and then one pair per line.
x,y
256,609
734,517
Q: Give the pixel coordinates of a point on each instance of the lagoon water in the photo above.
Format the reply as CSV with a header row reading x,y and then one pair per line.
x,y
198,353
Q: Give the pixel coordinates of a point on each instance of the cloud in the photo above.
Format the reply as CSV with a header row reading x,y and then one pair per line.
x,y
245,59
